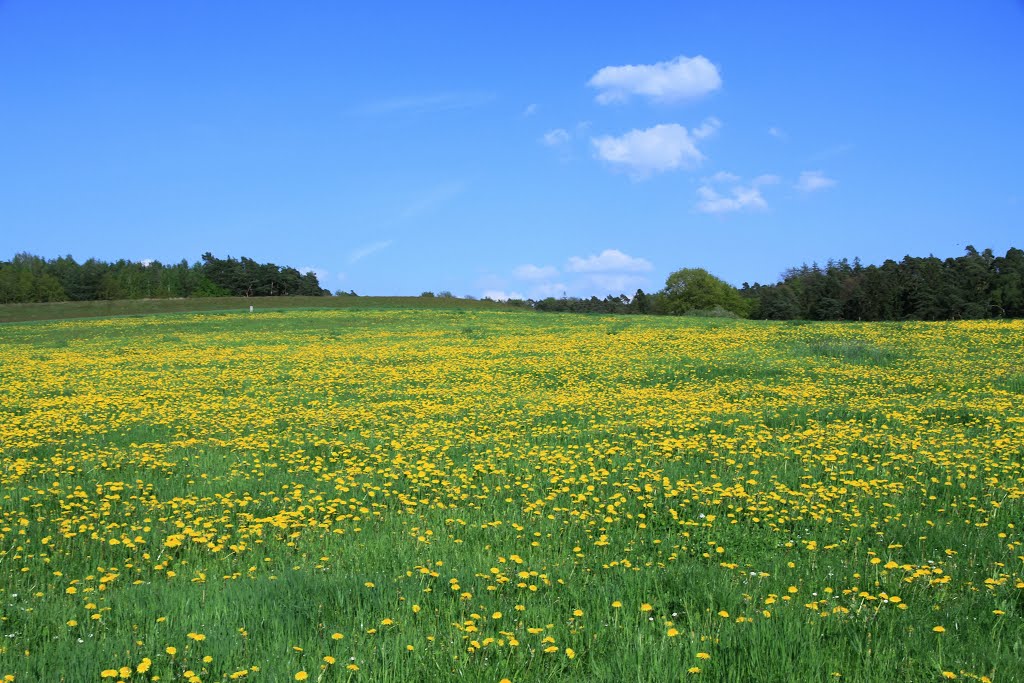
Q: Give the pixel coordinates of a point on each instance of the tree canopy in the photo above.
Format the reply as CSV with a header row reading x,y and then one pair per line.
x,y
695,289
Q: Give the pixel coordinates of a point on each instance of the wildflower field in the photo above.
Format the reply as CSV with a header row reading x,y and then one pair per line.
x,y
472,495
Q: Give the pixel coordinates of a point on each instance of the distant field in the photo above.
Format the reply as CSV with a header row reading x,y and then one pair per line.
x,y
102,309
473,495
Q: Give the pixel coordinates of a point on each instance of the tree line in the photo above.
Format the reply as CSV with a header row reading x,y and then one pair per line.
x,y
27,278
974,285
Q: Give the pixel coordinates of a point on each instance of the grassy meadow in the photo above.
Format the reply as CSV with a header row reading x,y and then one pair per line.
x,y
475,495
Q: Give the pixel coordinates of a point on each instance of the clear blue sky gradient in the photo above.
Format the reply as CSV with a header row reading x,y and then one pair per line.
x,y
403,147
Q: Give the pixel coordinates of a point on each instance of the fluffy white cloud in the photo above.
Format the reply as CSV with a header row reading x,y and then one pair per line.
x,y
609,260
737,197
556,137
811,181
664,147
677,79
777,133
531,109
529,271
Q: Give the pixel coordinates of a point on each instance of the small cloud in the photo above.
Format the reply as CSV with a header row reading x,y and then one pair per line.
x,y
609,260
147,262
556,137
501,295
532,272
530,110
706,129
812,181
778,133
737,197
723,177
677,79
664,147
362,252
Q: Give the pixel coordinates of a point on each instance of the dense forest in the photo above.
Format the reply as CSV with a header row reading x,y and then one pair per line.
x,y
27,278
973,285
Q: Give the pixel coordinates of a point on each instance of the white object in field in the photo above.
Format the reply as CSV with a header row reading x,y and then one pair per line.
x,y
250,308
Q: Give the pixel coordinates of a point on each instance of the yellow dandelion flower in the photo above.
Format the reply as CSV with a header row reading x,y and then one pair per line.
x,y
703,655
570,653
301,675
939,629
646,607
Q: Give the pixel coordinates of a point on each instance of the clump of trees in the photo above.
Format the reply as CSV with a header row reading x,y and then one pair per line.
x,y
27,278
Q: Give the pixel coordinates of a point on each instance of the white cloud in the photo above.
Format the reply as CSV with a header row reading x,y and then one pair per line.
x,y
147,262
531,109
609,260
706,129
531,272
723,177
677,79
362,252
777,133
501,295
664,147
811,181
741,198
556,137
738,197
617,283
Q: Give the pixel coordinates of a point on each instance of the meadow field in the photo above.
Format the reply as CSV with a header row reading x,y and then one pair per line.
x,y
474,495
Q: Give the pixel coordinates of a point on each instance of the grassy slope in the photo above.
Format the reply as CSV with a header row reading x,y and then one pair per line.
x,y
101,309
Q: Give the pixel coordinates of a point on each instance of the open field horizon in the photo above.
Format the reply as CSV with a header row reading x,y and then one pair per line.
x,y
432,495
66,310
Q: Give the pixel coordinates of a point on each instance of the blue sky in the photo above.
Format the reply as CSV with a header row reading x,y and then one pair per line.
x,y
523,148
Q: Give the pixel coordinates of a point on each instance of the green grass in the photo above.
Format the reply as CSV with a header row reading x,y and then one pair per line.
x,y
773,493
64,310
